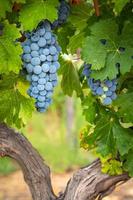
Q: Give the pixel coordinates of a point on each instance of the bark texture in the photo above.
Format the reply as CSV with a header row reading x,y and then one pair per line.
x,y
86,184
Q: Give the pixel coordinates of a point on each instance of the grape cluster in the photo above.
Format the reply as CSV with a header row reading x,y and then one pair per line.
x,y
63,13
106,89
40,58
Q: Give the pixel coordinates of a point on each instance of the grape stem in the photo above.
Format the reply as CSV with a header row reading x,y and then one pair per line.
x,y
96,7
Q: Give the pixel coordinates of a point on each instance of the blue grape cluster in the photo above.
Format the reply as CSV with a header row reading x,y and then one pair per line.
x,y
63,13
106,89
40,58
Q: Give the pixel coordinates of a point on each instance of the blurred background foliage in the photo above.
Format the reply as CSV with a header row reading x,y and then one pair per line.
x,y
55,134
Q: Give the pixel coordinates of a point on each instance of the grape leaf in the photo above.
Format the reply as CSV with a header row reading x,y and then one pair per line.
x,y
115,51
124,139
109,71
127,32
66,32
103,136
4,6
93,52
79,15
89,108
119,5
22,87
105,29
10,50
109,136
70,78
15,109
35,11
128,165
75,42
124,103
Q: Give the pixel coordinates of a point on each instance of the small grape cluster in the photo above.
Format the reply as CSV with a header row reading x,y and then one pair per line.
x,y
106,89
63,13
40,58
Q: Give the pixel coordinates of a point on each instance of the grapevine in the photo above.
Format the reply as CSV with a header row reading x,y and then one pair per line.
x,y
102,33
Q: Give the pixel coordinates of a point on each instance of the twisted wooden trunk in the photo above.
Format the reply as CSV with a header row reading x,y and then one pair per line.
x,y
86,184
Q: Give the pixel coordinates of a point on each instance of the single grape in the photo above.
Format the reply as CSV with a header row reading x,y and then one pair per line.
x,y
34,77
113,88
27,58
108,93
26,49
113,96
52,50
47,35
43,93
42,81
99,91
42,42
34,47
52,69
46,51
42,75
45,67
34,54
43,58
107,101
35,61
35,90
37,69
48,86
41,98
40,87
29,68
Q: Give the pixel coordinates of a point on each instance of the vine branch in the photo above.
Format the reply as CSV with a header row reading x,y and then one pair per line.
x,y
96,7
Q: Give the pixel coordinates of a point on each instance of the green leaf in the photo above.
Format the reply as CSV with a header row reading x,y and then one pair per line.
x,y
119,5
89,108
15,109
105,57
101,136
22,87
124,103
79,15
124,139
5,6
109,71
75,42
70,78
63,35
35,11
10,50
127,32
105,29
94,53
128,165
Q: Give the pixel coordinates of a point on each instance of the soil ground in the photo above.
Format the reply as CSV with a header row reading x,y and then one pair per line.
x,y
13,187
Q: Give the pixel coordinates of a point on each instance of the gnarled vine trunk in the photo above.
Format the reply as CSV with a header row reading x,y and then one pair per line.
x,y
86,184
